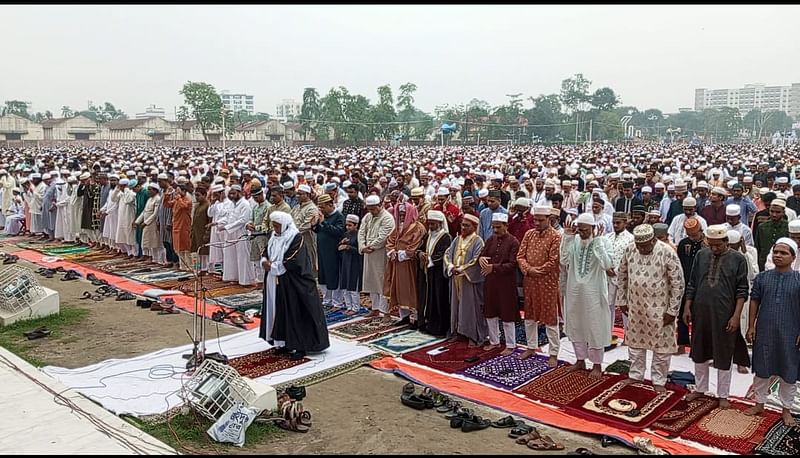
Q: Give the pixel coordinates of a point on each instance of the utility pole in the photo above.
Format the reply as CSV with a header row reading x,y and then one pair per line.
x,y
224,152
590,132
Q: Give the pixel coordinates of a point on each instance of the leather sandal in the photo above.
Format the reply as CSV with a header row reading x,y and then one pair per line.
x,y
86,295
475,424
544,443
125,296
71,275
505,422
520,430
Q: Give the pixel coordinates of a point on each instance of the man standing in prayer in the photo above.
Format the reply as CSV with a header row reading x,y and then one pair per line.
x,y
676,231
466,284
306,215
734,222
451,211
794,234
126,215
493,202
219,206
201,230
433,302
715,296
774,330
538,259
64,212
181,205
37,196
586,310
258,243
376,227
329,233
15,214
352,266
278,204
521,221
152,247
49,206
292,315
237,265
400,277
353,205
687,250
770,231
89,191
498,264
715,211
165,220
619,239
423,206
651,311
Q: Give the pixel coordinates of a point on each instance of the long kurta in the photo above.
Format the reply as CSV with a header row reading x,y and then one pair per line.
x,y
217,211
466,290
373,233
201,235
329,233
149,216
433,287
237,265
181,221
302,216
715,285
775,349
126,214
63,214
49,209
36,208
141,201
500,287
520,224
76,208
165,218
766,235
112,218
299,318
400,278
258,244
650,285
352,264
90,220
586,312
542,292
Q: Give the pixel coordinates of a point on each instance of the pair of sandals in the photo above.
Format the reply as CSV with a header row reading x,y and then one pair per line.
x,y
240,320
49,273
535,441
165,307
71,275
422,401
291,415
96,281
467,421
37,333
10,259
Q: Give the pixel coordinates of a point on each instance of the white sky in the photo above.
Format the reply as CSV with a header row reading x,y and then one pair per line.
x,y
134,56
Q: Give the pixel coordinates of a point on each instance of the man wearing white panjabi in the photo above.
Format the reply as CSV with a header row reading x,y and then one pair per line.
x,y
37,201
237,265
15,213
125,236
220,205
6,194
276,248
586,312
376,227
63,212
110,224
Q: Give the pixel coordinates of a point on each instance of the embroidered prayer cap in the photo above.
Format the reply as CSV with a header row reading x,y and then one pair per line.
x,y
733,210
494,193
734,236
85,176
647,189
523,202
638,209
717,231
353,219
620,215
719,190
372,200
483,193
702,184
328,187
778,203
324,199
304,188
162,176
794,226
417,192
691,223
660,229
689,202
435,215
472,218
287,185
217,188
643,233
500,217
236,187
467,198
555,211
671,187
788,242
541,210
585,218
153,186
443,191
660,185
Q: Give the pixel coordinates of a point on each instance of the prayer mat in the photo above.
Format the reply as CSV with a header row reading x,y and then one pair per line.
x,y
366,329
402,342
683,414
333,316
732,430
781,440
625,405
618,320
262,363
619,366
64,250
242,302
521,338
509,371
452,360
152,277
561,386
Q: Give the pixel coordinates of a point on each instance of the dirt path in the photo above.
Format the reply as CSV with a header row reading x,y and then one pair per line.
x,y
358,412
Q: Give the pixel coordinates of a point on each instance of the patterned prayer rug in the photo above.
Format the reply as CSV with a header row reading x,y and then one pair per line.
x,y
561,386
509,371
625,405
619,366
152,277
366,329
451,360
781,440
683,414
262,363
242,302
402,342
732,430
618,320
333,316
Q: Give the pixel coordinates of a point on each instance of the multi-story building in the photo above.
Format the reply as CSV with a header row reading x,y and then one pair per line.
x,y
152,112
751,96
287,109
237,102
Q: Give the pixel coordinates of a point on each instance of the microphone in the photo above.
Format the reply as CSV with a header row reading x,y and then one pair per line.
x,y
258,234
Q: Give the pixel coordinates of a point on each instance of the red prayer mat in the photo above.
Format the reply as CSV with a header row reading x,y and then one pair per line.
x,y
367,329
451,360
732,430
561,386
683,414
262,363
633,405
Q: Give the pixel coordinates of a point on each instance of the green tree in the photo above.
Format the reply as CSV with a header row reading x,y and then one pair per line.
x,y
15,107
331,114
606,126
407,113
66,112
205,106
544,117
383,113
356,109
576,98
765,123
310,112
604,99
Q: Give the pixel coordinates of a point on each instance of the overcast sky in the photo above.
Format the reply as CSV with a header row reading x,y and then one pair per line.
x,y
133,56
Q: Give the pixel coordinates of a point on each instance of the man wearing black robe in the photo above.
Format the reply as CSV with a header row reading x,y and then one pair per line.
x,y
433,288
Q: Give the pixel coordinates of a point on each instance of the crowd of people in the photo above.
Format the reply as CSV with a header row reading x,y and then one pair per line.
x,y
697,247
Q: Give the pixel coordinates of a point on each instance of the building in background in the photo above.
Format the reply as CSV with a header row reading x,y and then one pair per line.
x,y
152,112
287,109
751,96
237,102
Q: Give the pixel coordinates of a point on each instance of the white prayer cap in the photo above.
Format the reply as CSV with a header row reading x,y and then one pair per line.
x,y
236,187
659,185
788,242
702,184
671,187
585,218
353,219
443,191
282,218
124,182
304,188
85,176
60,181
287,185
472,219
483,193
216,188
153,186
46,176
717,231
541,210
647,189
733,210
731,183
734,236
435,215
782,180
501,217
523,202
373,200
719,190
162,176
346,183
778,203
72,179
794,226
